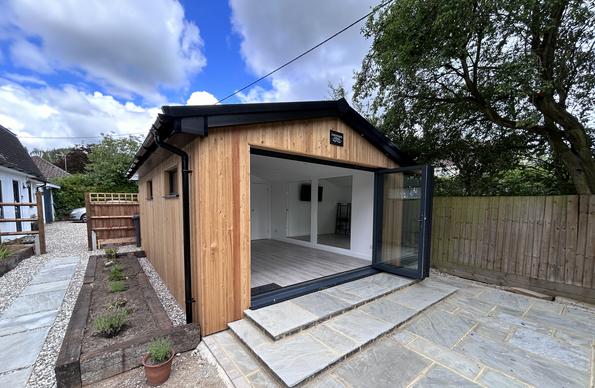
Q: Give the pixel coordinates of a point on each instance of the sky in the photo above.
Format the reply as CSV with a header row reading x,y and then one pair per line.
x,y
82,68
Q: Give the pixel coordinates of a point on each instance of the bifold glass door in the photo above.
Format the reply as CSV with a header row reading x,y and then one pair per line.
x,y
402,221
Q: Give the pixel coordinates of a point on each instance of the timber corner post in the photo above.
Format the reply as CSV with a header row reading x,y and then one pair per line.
x,y
89,221
40,223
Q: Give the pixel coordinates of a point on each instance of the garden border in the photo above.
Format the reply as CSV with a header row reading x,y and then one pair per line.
x,y
73,369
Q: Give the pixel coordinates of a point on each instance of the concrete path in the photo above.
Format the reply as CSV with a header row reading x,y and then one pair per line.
x,y
25,324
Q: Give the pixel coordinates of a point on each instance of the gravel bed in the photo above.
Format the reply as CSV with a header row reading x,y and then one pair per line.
x,y
170,304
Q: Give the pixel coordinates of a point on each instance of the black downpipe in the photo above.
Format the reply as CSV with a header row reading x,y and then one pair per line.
x,y
186,221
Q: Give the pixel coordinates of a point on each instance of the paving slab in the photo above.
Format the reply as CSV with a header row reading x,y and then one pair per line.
x,y
386,364
17,378
11,325
438,376
21,348
288,317
441,327
34,303
46,287
492,378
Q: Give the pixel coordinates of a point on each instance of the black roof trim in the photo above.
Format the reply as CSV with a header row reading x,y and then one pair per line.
x,y
196,120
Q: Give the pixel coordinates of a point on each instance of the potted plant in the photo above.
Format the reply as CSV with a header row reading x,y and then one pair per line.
x,y
157,362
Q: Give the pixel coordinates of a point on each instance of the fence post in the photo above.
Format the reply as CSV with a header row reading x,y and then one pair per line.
x,y
89,221
40,223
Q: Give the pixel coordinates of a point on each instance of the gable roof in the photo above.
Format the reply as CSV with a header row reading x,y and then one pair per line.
x,y
196,121
49,170
14,156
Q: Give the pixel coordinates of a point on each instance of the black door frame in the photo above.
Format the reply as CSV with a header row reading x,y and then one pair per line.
x,y
425,221
289,292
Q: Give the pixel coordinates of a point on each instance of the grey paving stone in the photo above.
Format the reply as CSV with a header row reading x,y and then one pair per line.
x,y
587,318
239,355
384,364
578,357
281,318
518,363
441,327
419,296
388,311
359,326
46,287
21,349
321,304
249,334
493,330
326,380
47,275
34,303
403,336
492,378
333,339
438,376
449,358
562,322
505,298
296,358
16,378
261,379
11,325
393,281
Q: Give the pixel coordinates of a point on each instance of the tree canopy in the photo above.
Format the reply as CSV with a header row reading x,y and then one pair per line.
x,y
487,86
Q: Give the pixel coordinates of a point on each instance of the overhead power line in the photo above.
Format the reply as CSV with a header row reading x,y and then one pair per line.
x,y
80,137
374,10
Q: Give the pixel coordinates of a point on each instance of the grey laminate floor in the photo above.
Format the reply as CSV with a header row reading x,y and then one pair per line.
x,y
285,264
332,239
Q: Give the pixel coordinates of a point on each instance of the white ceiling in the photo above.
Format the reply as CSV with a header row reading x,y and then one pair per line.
x,y
286,170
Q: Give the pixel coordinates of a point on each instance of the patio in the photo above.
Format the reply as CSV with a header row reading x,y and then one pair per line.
x,y
477,336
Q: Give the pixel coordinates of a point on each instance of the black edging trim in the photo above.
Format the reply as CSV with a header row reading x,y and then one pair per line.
x,y
308,159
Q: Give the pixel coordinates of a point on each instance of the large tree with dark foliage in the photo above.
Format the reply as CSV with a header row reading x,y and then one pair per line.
x,y
513,77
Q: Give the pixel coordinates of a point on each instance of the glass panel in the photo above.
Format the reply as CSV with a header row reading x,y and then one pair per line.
x,y
298,210
401,226
334,212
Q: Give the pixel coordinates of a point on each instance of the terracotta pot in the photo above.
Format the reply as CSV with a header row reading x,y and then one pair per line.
x,y
157,374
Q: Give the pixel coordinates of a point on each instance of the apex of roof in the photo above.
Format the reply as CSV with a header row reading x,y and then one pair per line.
x,y
14,156
50,171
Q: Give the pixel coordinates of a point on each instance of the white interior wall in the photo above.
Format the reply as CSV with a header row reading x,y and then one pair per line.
x,y
298,212
332,193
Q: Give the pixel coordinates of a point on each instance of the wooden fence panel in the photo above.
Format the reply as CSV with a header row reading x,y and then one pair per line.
x,y
544,243
109,218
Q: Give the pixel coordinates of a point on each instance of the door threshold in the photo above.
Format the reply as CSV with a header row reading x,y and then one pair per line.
x,y
293,291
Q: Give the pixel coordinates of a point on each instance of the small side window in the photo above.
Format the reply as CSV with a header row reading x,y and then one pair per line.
x,y
171,183
149,189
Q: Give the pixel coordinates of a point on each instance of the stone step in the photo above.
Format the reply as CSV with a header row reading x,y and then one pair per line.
x,y
286,318
296,358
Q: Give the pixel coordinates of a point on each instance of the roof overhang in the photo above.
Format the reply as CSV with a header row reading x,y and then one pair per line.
x,y
181,124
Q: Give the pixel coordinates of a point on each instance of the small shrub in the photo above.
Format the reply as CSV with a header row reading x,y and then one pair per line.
x,y
111,323
116,273
116,286
160,350
116,304
111,253
4,252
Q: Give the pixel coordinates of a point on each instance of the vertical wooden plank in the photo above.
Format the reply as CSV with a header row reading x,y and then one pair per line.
x,y
545,239
589,277
571,235
581,238
89,221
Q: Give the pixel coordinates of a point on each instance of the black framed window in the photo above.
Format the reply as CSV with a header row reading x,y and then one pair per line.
x,y
17,209
149,189
171,183
1,200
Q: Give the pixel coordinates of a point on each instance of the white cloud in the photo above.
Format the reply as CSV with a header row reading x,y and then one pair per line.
x,y
201,98
51,112
291,28
128,47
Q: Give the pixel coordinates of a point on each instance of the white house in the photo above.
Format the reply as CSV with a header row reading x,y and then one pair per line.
x,y
19,180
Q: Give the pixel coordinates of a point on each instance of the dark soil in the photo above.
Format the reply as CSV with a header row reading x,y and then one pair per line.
x,y
140,321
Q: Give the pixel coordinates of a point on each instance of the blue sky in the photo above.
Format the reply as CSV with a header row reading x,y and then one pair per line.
x,y
81,68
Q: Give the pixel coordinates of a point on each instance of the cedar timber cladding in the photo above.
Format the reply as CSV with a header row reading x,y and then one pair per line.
x,y
220,208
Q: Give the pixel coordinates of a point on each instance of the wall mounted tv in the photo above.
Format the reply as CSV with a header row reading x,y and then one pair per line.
x,y
306,193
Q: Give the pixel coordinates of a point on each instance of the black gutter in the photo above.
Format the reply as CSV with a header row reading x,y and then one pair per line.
x,y
185,220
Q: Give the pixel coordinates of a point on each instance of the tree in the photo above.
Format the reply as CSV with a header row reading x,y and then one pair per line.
x,y
109,161
513,72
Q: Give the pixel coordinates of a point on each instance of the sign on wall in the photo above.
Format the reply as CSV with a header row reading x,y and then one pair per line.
x,y
336,138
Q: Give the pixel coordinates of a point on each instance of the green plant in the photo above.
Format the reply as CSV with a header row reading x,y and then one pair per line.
x,y
116,273
111,323
160,349
116,286
111,253
117,303
4,252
